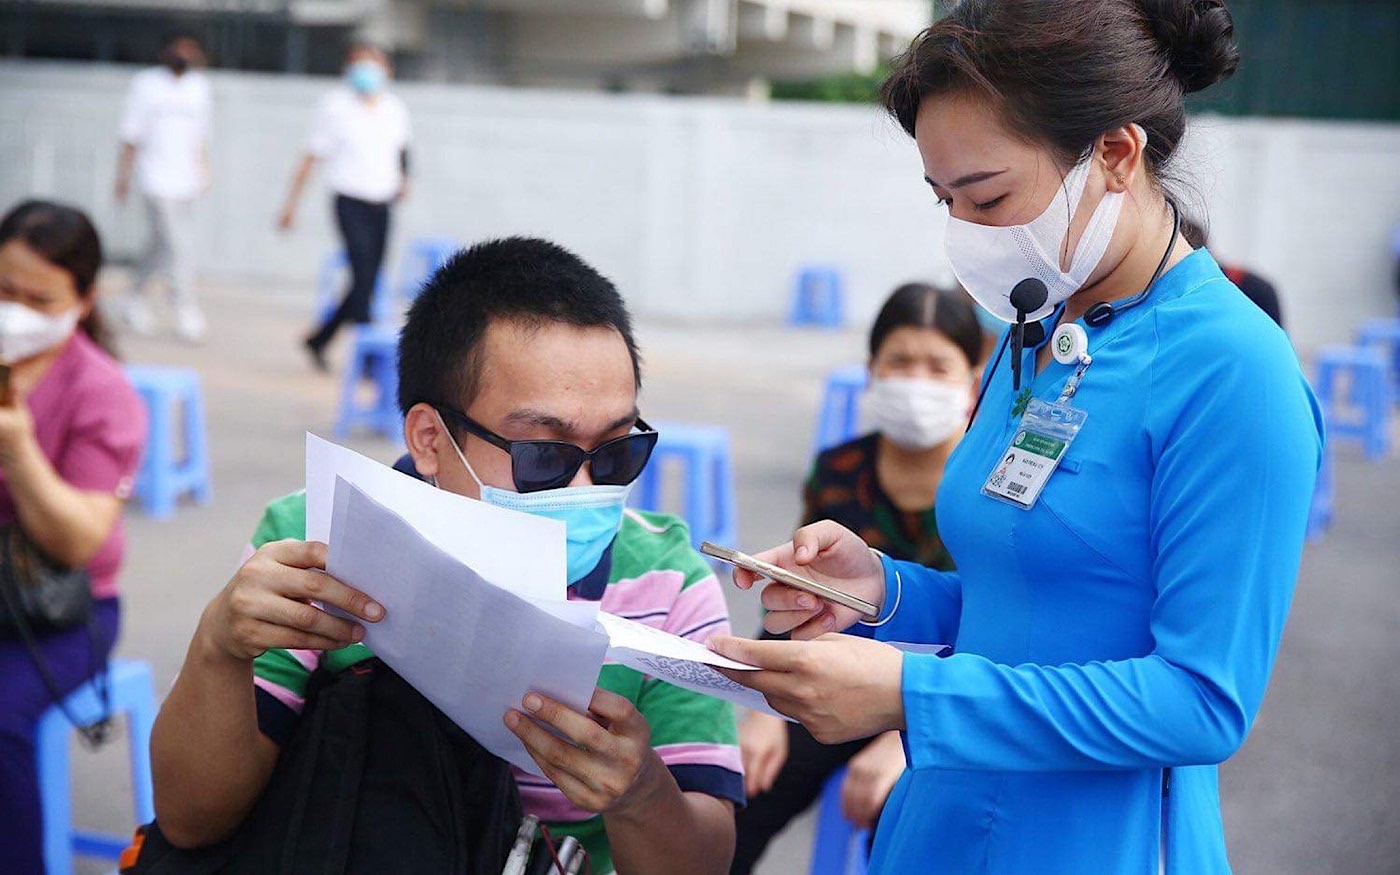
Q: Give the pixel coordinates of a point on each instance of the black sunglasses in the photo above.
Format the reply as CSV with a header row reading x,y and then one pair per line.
x,y
539,465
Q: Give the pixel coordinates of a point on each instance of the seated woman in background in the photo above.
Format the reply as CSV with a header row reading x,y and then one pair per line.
x,y
71,433
925,349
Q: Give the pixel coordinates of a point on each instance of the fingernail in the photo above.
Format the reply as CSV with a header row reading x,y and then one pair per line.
x,y
806,601
512,718
532,702
801,552
374,610
357,634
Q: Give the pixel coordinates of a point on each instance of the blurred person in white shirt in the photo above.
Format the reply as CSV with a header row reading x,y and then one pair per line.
x,y
165,140
361,133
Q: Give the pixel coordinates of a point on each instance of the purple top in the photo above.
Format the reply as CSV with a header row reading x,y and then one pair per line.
x,y
91,426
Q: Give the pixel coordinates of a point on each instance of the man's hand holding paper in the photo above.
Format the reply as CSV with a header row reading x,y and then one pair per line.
x,y
474,646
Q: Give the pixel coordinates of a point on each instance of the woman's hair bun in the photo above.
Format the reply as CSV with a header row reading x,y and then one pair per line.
x,y
1198,37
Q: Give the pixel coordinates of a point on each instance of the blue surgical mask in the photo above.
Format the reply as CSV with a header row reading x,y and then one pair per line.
x,y
591,514
366,77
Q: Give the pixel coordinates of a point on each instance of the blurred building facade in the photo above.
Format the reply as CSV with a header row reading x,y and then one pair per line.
x,y
700,208
677,46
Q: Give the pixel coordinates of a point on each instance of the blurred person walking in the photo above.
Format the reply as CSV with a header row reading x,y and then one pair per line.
x,y
361,131
71,433
165,140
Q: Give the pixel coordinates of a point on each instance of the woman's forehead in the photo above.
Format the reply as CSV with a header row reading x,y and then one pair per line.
x,y
23,267
959,135
916,340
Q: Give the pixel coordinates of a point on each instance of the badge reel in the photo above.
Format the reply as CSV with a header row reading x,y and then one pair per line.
x,y
1045,431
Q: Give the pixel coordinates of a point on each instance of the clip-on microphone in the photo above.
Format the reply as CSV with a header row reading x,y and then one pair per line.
x,y
1028,296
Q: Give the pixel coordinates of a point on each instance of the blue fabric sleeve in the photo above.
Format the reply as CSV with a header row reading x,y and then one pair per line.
x,y
715,781
275,719
1235,440
930,603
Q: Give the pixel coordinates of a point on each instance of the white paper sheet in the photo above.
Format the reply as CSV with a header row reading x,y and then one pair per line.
x,y
677,660
448,571
472,649
523,553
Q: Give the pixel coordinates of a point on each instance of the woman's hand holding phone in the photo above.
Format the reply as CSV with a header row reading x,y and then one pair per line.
x,y
828,553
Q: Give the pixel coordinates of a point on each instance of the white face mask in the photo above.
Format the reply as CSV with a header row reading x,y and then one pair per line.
x,y
990,260
25,332
917,414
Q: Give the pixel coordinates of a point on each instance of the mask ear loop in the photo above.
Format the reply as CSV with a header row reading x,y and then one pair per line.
x,y
458,450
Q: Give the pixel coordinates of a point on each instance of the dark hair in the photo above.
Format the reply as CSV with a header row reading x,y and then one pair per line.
x,y
66,238
170,37
354,47
1194,232
517,278
1066,71
920,305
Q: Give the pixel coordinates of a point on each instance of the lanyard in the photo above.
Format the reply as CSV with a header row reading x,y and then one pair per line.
x,y
1072,384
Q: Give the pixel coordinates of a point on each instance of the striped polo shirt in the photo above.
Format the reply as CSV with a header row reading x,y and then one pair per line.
x,y
656,578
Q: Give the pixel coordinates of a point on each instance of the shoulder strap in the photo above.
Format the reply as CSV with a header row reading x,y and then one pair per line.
x,y
93,733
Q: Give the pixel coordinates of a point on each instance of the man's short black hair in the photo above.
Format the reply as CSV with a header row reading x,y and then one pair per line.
x,y
174,35
523,279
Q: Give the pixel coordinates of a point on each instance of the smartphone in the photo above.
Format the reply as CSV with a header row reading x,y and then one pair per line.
x,y
773,572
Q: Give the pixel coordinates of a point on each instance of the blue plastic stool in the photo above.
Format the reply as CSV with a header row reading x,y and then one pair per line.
x,y
818,298
838,848
839,420
163,479
1369,419
1384,335
375,358
133,693
703,453
1324,493
330,287
421,258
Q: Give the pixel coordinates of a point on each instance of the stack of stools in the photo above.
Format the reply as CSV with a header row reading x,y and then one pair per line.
x,y
818,298
839,420
1384,335
1363,414
131,692
176,460
707,502
374,358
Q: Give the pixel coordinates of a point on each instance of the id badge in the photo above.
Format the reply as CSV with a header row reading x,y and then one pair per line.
x,y
1035,451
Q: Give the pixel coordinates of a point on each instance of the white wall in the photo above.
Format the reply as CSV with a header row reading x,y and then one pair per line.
x,y
698,208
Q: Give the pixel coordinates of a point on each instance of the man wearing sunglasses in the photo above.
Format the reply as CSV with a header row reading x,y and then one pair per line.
x,y
518,378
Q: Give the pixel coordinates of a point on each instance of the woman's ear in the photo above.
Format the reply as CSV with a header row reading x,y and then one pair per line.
x,y
422,431
1121,151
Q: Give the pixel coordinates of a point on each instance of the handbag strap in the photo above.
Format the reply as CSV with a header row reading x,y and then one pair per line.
x,y
96,733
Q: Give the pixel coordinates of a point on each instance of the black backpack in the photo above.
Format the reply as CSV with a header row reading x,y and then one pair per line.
x,y
374,780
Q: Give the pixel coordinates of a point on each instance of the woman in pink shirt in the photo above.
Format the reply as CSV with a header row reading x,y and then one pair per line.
x,y
71,433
